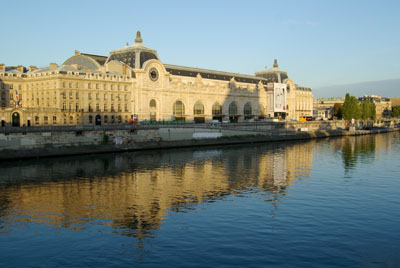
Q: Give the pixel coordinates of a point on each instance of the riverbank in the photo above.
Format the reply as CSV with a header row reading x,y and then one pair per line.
x,y
156,144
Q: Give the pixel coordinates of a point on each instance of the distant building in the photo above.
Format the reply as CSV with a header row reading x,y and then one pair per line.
x,y
323,107
383,105
132,83
395,101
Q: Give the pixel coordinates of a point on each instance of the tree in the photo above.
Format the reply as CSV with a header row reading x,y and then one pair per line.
x,y
372,112
337,110
396,111
351,109
365,110
346,110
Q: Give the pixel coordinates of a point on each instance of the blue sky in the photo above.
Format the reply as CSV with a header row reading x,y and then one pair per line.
x,y
319,43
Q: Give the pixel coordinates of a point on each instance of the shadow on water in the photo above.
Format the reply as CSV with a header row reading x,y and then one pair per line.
x,y
133,192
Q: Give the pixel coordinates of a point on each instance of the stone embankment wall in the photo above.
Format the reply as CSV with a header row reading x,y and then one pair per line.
x,y
68,140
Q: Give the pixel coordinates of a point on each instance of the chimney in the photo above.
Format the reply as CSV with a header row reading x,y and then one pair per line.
x,y
32,68
20,68
53,66
124,68
2,67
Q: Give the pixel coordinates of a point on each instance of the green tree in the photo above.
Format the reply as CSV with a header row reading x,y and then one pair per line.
x,y
365,110
337,110
396,111
372,113
351,108
346,110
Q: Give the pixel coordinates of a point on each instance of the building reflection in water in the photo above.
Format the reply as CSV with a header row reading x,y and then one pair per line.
x,y
133,192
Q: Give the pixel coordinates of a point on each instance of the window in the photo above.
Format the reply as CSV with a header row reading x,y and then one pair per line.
x,y
63,84
89,86
105,119
105,86
71,120
112,96
119,107
179,108
97,107
97,96
46,120
64,106
64,95
126,97
153,103
247,109
70,95
70,85
77,95
105,107
3,96
217,109
97,86
118,97
233,109
126,107
90,119
90,108
54,120
198,108
77,107
70,107
105,96
89,96
112,107
37,120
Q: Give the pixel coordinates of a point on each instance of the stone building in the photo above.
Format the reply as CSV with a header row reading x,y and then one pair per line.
x,y
323,107
133,83
383,105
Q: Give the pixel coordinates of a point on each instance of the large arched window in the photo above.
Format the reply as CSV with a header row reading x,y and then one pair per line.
x,y
179,109
247,109
198,108
217,109
153,103
233,109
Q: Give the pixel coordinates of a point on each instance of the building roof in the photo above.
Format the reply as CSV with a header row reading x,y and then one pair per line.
x,y
134,56
212,74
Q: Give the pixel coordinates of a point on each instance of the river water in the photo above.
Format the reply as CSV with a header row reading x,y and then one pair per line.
x,y
320,203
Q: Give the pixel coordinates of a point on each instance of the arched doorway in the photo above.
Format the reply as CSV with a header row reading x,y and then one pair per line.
x,y
217,112
233,112
153,110
15,119
247,111
198,111
179,111
98,120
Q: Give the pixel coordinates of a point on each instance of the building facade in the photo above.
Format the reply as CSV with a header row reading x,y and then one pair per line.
x,y
132,83
383,105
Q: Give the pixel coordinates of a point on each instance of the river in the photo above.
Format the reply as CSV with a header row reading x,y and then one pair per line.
x,y
319,203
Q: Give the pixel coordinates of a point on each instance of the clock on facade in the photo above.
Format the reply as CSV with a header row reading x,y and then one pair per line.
x,y
153,74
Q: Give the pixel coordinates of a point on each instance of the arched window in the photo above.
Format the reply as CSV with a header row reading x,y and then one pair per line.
x,y
153,103
198,108
247,109
179,108
233,109
217,109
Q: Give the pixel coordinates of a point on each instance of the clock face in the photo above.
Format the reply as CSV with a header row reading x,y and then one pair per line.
x,y
153,74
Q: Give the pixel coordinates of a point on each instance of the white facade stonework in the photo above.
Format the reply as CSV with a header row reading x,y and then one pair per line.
x,y
132,83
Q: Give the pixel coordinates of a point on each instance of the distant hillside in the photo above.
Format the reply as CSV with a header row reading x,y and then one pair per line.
x,y
384,88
